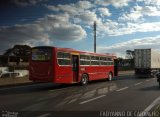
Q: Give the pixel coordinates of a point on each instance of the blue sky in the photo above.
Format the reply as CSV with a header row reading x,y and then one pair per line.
x,y
121,24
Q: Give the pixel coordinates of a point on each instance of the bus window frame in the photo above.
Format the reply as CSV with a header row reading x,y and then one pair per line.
x,y
85,60
95,60
63,58
51,54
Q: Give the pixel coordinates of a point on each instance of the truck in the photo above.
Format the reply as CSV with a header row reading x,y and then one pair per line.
x,y
147,62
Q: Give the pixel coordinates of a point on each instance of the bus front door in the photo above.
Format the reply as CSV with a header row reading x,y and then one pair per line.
x,y
115,67
75,67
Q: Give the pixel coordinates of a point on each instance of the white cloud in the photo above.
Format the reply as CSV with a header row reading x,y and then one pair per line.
x,y
59,27
115,3
129,23
150,2
43,31
66,24
142,43
131,28
137,13
88,17
151,11
71,8
84,5
113,28
79,12
104,12
134,15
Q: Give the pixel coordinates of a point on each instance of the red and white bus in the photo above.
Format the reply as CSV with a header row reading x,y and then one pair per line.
x,y
65,65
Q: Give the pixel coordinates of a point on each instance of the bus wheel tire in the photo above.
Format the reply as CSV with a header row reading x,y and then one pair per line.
x,y
84,79
110,76
159,84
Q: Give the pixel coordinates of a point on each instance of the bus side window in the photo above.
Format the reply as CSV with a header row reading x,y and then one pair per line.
x,y
63,58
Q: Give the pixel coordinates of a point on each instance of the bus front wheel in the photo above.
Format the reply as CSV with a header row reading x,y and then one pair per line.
x,y
84,79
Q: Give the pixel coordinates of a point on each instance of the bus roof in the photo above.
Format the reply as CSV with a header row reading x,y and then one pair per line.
x,y
78,51
85,52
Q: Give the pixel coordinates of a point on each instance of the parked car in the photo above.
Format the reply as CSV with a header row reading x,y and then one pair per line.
x,y
11,75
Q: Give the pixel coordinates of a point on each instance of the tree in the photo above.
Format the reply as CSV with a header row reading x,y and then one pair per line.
x,y
120,61
19,52
130,54
8,52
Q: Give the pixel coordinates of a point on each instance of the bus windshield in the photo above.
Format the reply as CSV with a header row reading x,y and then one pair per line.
x,y
41,54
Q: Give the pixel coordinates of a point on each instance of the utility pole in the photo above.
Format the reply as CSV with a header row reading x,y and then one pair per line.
x,y
94,25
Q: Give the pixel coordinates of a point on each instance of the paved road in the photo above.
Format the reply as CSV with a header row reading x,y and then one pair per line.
x,y
125,93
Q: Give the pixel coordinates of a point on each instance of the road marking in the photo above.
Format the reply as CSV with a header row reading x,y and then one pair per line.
x,y
154,103
147,80
60,89
92,99
19,87
45,115
122,89
138,83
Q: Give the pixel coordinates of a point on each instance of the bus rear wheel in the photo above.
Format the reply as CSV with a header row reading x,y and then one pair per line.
x,y
84,79
110,76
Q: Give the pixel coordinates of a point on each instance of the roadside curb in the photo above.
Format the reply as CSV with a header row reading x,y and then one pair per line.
x,y
126,74
122,73
17,84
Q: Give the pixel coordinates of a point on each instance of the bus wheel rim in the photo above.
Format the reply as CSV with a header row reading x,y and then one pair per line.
x,y
84,79
110,76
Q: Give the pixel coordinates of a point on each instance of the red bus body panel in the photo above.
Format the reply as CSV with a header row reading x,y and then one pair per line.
x,y
96,72
63,74
42,71
51,71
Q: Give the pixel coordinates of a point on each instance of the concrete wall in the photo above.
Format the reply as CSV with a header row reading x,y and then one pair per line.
x,y
4,69
23,72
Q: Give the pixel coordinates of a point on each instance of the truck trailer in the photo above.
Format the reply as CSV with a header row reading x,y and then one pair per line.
x,y
147,62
